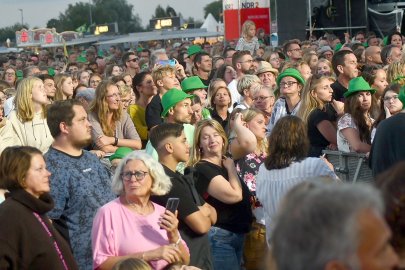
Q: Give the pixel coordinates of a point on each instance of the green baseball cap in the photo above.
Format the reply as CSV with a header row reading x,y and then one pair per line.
x,y
358,85
120,153
171,98
290,72
193,49
192,83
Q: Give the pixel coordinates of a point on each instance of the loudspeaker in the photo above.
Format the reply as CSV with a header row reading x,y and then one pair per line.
x,y
292,18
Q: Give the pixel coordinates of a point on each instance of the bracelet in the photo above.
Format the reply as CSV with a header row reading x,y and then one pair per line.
x,y
115,142
178,241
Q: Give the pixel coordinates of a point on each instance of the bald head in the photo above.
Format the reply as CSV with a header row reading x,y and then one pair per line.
x,y
373,55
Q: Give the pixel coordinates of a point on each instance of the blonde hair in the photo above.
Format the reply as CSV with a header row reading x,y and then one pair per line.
x,y
212,104
326,61
214,84
23,100
248,115
395,71
245,27
161,183
160,72
308,101
100,108
196,153
59,81
124,90
246,81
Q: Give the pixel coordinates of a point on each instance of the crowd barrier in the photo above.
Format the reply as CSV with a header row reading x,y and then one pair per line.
x,y
350,167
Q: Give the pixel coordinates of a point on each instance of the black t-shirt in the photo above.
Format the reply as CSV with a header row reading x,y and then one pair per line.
x,y
389,144
317,140
237,217
153,111
200,252
338,91
224,123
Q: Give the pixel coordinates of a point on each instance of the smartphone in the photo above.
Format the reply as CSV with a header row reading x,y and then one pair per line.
x,y
170,62
172,204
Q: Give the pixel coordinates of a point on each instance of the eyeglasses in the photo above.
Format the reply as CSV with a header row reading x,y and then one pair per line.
x,y
262,98
139,175
133,60
287,84
95,81
10,73
115,95
388,99
275,59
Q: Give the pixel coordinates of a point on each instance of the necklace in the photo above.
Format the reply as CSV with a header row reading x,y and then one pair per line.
x,y
138,208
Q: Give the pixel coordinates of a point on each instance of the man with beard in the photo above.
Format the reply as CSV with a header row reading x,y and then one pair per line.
x,y
80,184
242,62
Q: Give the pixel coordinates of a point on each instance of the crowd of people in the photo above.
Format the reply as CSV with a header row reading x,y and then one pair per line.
x,y
94,147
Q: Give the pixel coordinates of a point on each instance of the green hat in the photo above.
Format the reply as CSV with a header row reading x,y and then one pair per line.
x,y
291,72
401,96
193,49
81,59
338,47
385,41
358,84
171,98
120,153
192,83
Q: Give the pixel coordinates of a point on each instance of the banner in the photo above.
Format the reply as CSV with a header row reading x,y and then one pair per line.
x,y
236,12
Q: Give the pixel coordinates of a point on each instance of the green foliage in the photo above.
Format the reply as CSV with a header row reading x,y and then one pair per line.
x,y
215,8
9,32
102,11
160,12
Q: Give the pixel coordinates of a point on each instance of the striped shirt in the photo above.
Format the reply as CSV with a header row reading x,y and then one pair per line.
x,y
272,185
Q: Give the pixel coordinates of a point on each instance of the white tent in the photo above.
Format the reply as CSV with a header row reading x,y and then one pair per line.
x,y
210,24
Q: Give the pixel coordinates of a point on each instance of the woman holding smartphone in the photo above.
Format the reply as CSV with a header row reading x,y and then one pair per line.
x,y
220,186
132,226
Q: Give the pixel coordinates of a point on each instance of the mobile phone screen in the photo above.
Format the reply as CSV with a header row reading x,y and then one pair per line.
x,y
172,204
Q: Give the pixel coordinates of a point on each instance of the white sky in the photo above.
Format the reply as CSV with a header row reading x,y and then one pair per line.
x,y
38,12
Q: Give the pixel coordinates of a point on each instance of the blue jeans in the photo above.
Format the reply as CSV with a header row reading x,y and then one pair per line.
x,y
226,248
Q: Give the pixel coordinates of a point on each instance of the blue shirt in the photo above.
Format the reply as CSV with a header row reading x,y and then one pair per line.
x,y
79,186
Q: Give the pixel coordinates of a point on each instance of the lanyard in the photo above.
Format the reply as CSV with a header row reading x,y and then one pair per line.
x,y
53,238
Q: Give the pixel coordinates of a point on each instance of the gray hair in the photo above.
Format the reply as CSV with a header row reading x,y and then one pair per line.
x,y
88,94
246,81
161,182
318,224
156,55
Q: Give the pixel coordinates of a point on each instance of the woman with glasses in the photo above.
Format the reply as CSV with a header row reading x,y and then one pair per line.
x,y
28,240
29,116
126,96
111,126
290,84
263,99
220,186
316,96
389,106
94,80
10,76
132,226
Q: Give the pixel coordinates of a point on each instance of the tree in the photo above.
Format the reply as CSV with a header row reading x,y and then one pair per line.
x,y
215,8
9,32
160,12
102,11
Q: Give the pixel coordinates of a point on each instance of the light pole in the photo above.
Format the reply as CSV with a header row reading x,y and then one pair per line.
x,y
91,16
22,16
